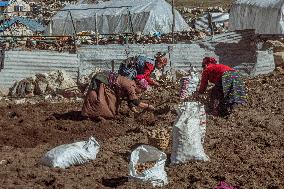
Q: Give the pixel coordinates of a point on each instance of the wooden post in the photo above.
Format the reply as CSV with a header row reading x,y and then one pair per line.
x,y
130,21
112,66
174,21
96,29
210,24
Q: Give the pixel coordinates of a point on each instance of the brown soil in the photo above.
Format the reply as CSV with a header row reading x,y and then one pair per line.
x,y
246,149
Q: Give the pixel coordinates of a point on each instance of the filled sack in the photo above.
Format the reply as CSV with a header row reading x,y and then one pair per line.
x,y
147,164
76,153
188,134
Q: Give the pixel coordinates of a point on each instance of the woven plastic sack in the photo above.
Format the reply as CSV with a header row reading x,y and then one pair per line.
x,y
188,134
76,153
188,85
155,175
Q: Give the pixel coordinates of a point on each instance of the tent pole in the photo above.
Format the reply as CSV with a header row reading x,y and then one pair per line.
x,y
174,20
73,23
130,21
75,32
96,29
210,24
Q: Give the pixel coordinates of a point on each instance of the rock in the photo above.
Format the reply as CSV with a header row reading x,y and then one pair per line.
x,y
20,101
279,58
181,73
40,87
276,46
13,89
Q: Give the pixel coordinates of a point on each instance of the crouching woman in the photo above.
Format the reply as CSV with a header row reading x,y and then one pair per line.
x,y
229,89
106,92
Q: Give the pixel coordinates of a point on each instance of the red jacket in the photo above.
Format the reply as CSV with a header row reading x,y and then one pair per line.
x,y
148,69
212,73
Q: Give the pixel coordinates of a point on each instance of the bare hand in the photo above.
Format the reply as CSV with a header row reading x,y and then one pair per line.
x,y
134,110
156,83
151,107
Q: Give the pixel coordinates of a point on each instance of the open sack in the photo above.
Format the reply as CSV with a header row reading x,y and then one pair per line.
x,y
147,164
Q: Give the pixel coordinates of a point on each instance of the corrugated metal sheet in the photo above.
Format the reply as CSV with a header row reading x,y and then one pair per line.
x,y
232,49
100,56
22,64
229,37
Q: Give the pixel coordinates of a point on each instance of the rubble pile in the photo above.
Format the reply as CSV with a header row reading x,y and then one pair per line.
x,y
54,83
69,43
56,44
17,30
43,10
277,46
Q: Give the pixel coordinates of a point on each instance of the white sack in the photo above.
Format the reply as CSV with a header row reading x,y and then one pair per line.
x,y
76,153
188,84
188,133
157,174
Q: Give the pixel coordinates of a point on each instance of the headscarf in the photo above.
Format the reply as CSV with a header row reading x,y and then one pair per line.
x,y
209,60
161,60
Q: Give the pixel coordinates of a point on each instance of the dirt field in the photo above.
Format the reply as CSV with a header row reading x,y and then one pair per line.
x,y
246,149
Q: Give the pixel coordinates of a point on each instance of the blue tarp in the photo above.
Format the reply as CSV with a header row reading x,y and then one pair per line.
x,y
4,3
33,25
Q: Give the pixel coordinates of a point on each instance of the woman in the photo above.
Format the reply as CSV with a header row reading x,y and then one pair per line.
x,y
145,66
229,88
140,68
105,95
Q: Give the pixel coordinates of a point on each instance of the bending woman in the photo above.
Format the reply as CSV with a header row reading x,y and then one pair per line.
x,y
105,94
228,90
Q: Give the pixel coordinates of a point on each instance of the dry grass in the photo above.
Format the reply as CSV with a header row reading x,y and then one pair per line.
x,y
204,3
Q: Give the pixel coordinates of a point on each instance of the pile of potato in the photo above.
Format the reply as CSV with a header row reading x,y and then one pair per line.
x,y
140,167
159,138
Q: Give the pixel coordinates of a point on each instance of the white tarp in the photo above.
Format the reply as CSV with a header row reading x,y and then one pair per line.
x,y
147,16
218,17
265,16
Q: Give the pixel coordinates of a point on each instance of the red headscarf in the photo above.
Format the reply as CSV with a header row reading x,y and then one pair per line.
x,y
209,60
161,60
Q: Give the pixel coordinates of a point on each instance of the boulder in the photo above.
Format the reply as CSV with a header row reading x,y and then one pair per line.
x,y
276,46
40,87
279,58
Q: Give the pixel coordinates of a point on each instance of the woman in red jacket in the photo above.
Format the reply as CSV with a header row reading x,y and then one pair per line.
x,y
229,88
146,65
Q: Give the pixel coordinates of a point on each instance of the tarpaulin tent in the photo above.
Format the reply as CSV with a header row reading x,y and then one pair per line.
x,y
146,16
265,16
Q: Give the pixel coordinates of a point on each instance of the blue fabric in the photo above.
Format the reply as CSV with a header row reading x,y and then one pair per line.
x,y
29,23
140,63
128,72
4,3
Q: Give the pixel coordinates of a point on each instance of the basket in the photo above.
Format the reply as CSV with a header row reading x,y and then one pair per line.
x,y
159,138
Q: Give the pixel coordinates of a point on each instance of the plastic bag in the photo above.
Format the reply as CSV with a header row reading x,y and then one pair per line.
x,y
156,173
76,153
188,133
